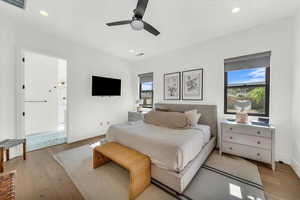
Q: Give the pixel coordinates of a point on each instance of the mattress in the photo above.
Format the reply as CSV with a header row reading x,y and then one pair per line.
x,y
167,148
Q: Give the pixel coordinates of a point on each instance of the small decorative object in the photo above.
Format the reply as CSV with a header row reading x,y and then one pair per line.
x,y
139,108
172,86
230,119
192,81
262,121
242,106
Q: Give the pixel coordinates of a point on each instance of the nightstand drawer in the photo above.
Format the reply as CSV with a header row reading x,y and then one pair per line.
x,y
248,130
261,142
247,151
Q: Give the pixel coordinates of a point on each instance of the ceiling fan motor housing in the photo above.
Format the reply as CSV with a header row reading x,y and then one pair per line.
x,y
137,24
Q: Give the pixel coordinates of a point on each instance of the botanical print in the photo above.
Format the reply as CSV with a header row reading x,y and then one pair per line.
x,y
172,86
192,84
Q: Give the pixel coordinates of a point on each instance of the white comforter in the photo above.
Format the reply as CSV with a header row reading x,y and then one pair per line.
x,y
168,148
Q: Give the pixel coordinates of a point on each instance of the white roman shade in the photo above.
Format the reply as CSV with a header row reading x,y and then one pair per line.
x,y
148,77
247,62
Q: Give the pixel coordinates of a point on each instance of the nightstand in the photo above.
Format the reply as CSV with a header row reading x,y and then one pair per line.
x,y
135,116
248,141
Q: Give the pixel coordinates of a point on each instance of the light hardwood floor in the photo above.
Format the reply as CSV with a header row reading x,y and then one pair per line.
x,y
40,177
283,184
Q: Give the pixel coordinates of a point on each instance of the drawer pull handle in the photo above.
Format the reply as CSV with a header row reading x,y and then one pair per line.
x,y
230,148
231,138
258,132
231,129
258,142
258,154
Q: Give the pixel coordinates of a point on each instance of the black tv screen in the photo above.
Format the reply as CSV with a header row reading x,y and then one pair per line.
x,y
102,86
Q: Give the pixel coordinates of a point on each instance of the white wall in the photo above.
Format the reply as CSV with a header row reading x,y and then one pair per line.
x,y
84,111
7,82
41,78
210,56
296,98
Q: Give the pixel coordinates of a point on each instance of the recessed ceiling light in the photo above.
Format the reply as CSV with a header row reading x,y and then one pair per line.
x,y
131,51
236,9
44,13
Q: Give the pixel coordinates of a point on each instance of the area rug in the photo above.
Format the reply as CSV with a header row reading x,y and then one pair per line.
x,y
221,178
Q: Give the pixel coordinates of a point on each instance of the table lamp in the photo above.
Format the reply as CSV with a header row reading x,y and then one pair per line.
x,y
243,106
138,103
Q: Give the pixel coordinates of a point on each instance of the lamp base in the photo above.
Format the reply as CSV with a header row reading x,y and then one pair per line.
x,y
139,109
242,117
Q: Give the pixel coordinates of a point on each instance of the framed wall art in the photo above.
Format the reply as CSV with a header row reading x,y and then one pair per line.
x,y
172,86
192,84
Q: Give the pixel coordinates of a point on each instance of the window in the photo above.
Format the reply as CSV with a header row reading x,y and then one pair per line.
x,y
247,84
146,90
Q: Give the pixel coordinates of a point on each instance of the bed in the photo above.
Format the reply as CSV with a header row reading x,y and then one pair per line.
x,y
176,155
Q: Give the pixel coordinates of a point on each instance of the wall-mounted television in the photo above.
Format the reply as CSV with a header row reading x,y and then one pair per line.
x,y
102,86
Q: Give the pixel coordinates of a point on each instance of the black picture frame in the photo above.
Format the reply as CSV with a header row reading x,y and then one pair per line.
x,y
201,87
179,85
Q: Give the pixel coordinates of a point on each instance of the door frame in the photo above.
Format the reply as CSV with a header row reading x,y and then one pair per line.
x,y
20,92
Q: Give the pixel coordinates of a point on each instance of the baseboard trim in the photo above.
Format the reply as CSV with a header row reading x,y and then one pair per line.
x,y
77,139
284,158
296,166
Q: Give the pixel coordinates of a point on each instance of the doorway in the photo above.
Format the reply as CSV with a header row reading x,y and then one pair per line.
x,y
45,100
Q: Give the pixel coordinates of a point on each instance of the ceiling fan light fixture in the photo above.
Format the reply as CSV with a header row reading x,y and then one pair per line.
x,y
137,25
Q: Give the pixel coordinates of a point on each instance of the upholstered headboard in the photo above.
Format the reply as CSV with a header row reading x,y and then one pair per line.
x,y
209,113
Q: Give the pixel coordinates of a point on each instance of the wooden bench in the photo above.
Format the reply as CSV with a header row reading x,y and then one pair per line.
x,y
136,163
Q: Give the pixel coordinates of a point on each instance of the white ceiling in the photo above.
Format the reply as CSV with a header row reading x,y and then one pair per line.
x,y
181,22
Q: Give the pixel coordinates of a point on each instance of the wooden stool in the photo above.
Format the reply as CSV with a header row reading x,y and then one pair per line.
x,y
136,163
4,147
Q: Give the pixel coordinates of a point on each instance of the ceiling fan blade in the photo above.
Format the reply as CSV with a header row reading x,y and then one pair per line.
x,y
151,29
141,8
124,22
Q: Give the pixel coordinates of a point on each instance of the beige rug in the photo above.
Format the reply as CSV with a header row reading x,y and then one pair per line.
x,y
235,166
110,182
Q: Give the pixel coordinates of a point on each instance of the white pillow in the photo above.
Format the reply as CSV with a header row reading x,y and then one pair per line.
x,y
193,117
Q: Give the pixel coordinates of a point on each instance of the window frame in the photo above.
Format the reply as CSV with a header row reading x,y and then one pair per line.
x,y
267,93
140,93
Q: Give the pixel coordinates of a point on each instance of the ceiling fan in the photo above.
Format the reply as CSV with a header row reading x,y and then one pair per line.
x,y
137,22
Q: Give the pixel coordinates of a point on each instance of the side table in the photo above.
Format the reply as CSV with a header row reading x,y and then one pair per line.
x,y
5,145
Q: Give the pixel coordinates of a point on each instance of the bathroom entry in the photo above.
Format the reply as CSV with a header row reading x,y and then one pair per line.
x,y
45,100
